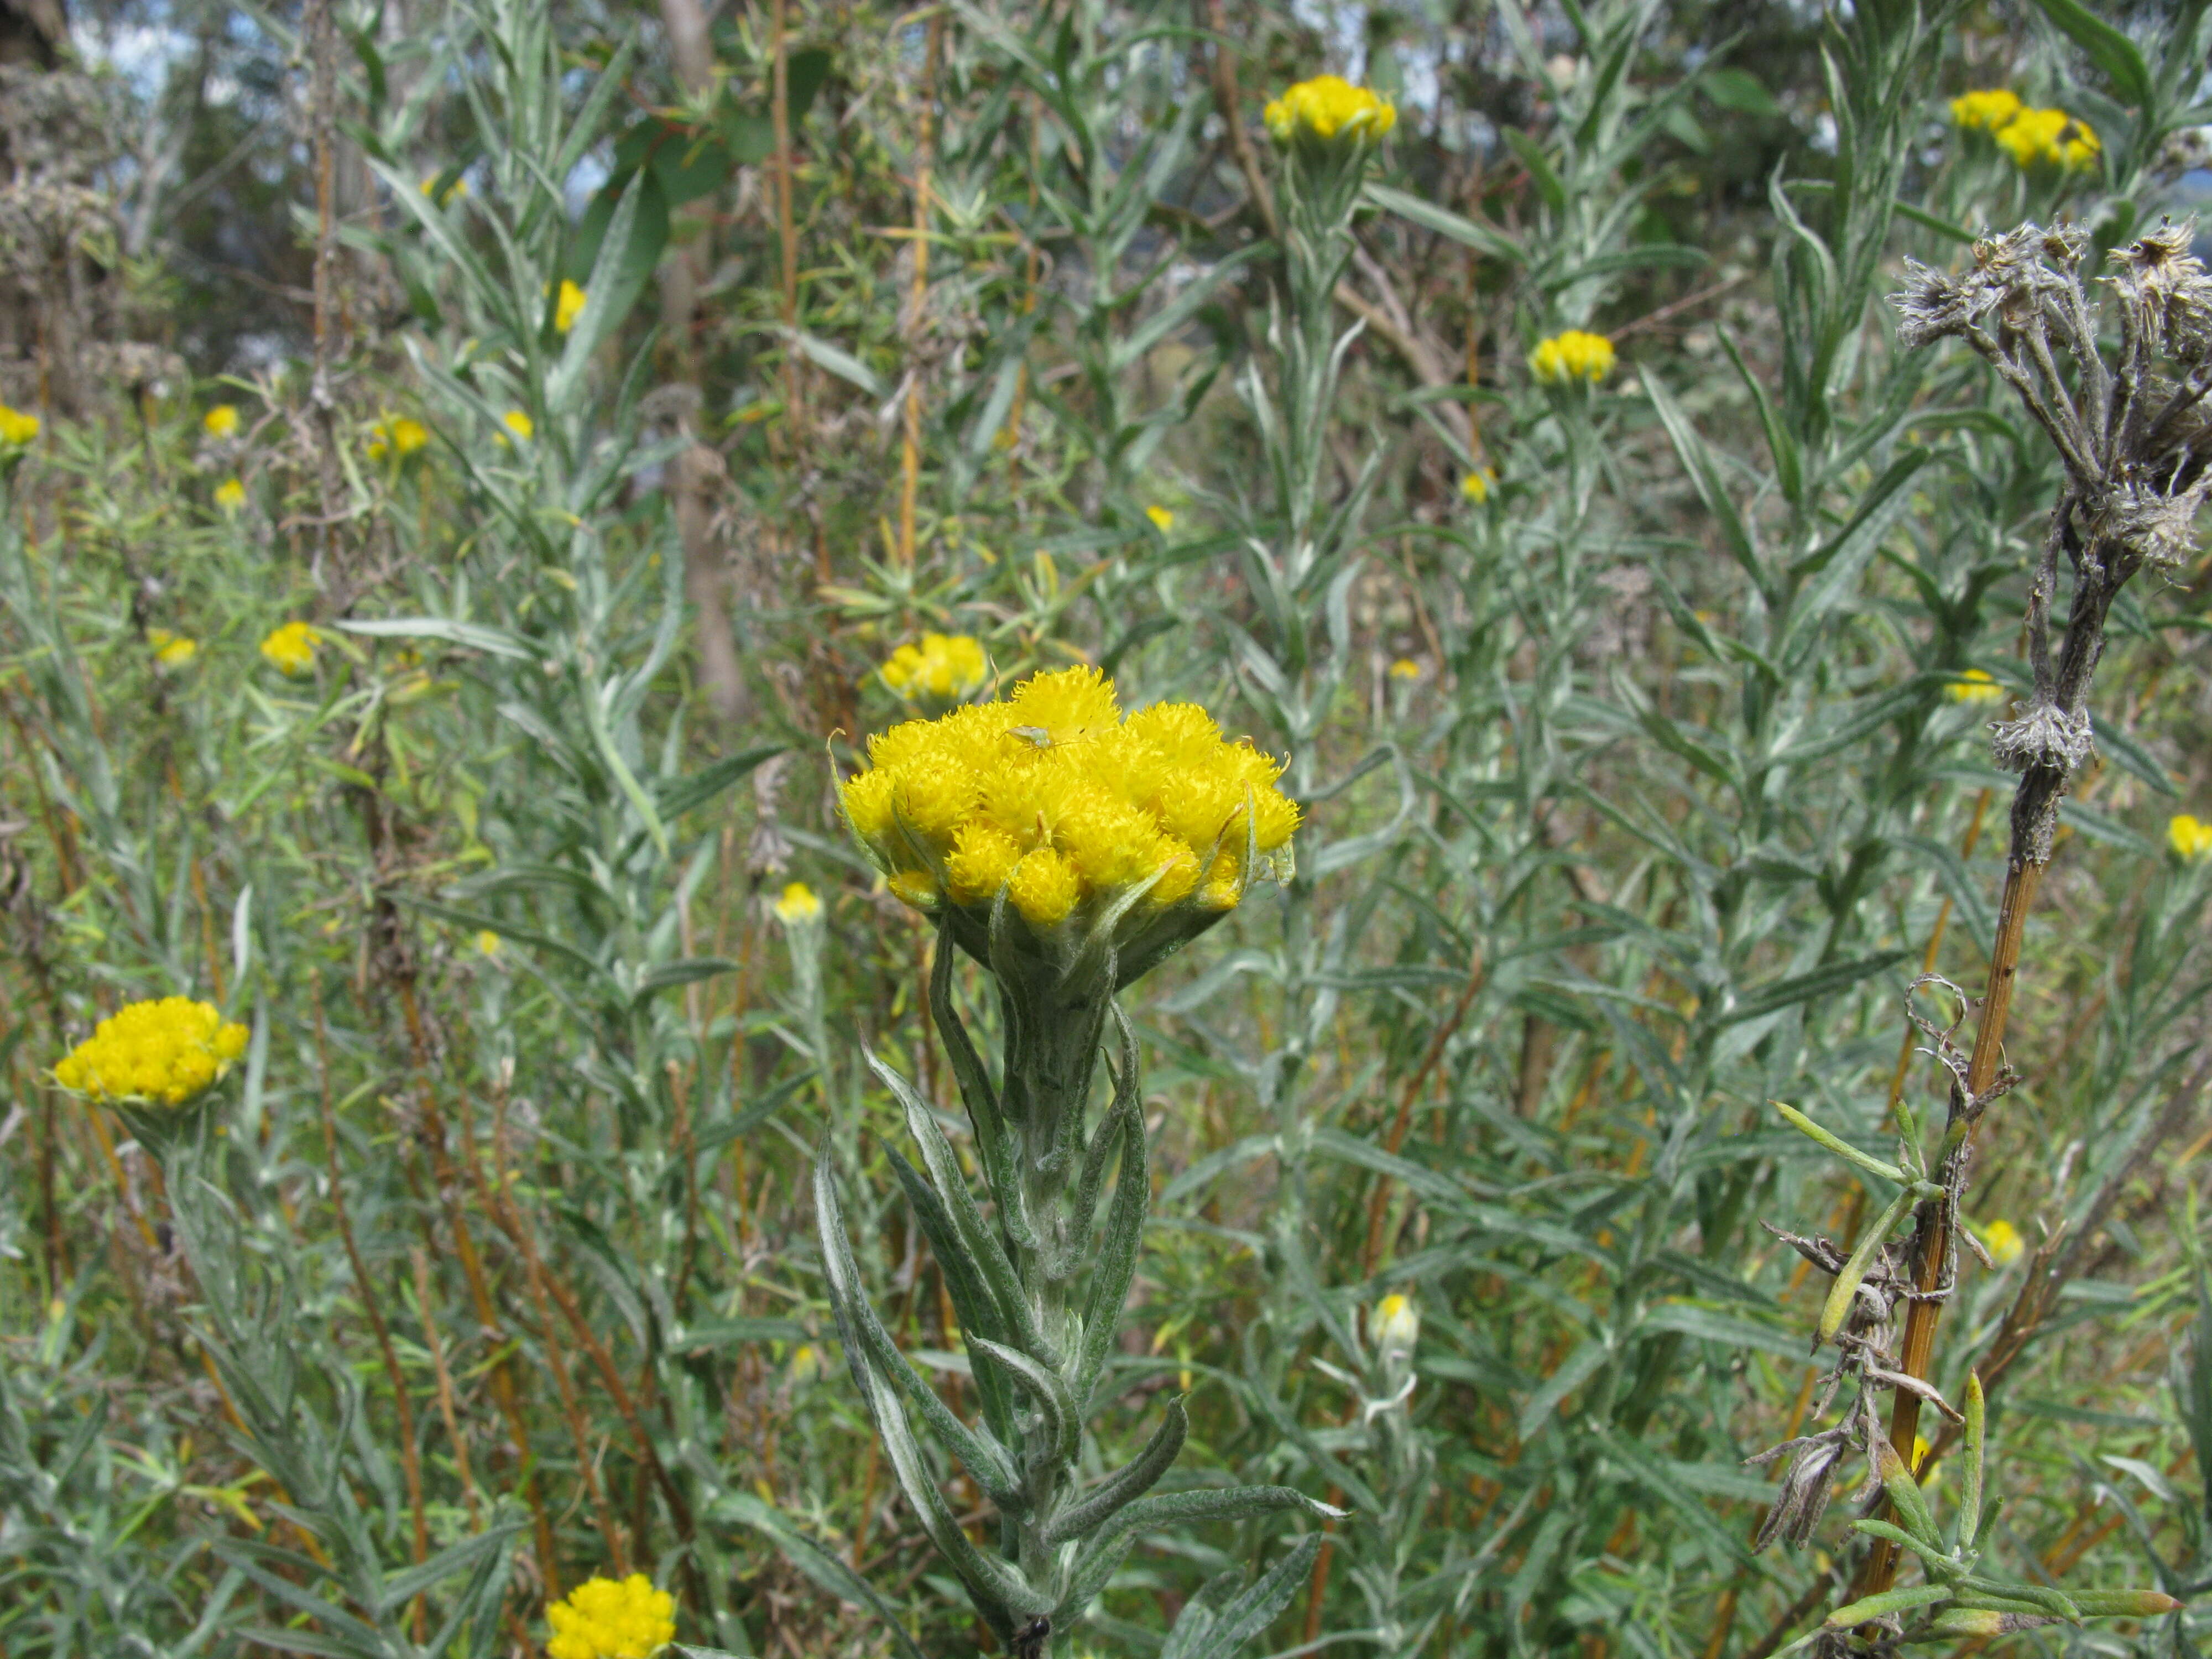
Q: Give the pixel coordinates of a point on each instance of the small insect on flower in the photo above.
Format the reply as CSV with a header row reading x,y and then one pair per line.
x,y
1162,519
2004,1243
230,495
1574,355
798,906
221,421
2190,838
611,1619
1330,108
398,437
1985,111
171,650
943,669
568,307
291,648
1476,486
1974,686
16,428
166,1052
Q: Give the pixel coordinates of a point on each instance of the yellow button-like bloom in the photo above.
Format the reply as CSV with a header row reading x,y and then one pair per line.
x,y
1397,1324
942,670
2050,138
2190,838
1052,798
1329,107
486,942
1163,520
2003,1241
164,1053
16,427
1476,486
606,1619
398,436
569,307
1986,111
1406,669
171,650
230,494
1975,685
518,422
1573,355
221,421
291,647
797,905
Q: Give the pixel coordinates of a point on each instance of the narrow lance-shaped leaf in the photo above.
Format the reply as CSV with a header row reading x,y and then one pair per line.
x,y
1837,1307
1127,1484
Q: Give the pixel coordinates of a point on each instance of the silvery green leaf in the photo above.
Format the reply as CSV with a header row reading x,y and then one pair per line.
x,y
1117,1261
1063,1428
1102,1555
1230,1627
1127,1484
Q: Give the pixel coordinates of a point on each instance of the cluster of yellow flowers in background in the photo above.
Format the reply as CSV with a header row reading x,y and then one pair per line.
x,y
166,1052
15,427
1476,486
1573,355
569,307
397,436
221,421
1329,107
797,906
2190,837
291,647
1975,685
1052,797
230,494
1162,519
944,668
171,650
2032,137
612,1619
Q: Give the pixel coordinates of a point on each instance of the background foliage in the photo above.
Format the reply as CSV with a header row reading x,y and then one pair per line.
x,y
1637,790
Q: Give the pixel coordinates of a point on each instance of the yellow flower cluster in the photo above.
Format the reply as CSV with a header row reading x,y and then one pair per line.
x,y
2050,138
611,1619
1329,107
2003,1241
518,422
171,650
2190,838
1985,111
569,307
1476,486
230,494
1162,519
1975,685
945,668
15,427
2032,137
1052,798
1573,355
799,905
221,421
429,188
165,1052
291,647
397,436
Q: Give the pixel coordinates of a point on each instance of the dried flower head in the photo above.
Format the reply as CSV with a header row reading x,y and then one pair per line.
x,y
163,1053
2043,737
2157,273
2157,528
611,1619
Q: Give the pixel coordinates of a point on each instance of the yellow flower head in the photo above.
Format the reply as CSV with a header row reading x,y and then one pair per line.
x,y
17,428
606,1619
221,421
1986,111
1573,355
1975,685
518,422
1163,520
1476,486
1053,799
429,187
569,307
2049,138
1328,107
230,494
164,1053
2190,838
2003,1241
1406,669
797,905
397,436
942,670
171,650
486,942
291,647
1397,1324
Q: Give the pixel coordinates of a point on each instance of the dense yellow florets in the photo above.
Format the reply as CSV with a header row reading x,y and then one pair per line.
x,y
17,428
221,421
171,650
1573,355
611,1619
1329,107
397,436
230,494
164,1053
568,307
291,647
1975,685
1052,798
1986,111
943,669
2050,138
2190,837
